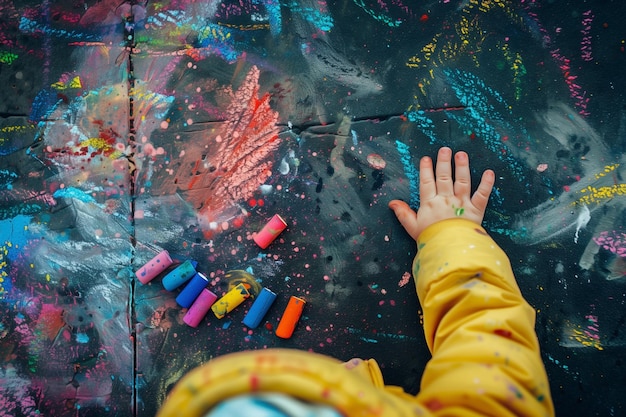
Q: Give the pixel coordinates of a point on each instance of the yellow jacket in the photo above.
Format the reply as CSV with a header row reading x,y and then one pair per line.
x,y
478,327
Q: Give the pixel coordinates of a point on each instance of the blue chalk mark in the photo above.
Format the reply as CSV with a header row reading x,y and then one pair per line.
x,y
520,234
355,138
20,209
473,92
411,173
176,17
490,136
72,192
380,335
43,105
16,231
380,17
82,338
274,16
6,150
557,362
548,183
482,116
6,179
14,237
30,26
496,197
424,123
321,21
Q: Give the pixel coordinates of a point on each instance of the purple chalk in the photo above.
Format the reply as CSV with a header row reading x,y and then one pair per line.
x,y
199,308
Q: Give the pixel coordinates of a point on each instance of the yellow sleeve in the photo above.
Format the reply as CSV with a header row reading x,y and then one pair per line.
x,y
478,327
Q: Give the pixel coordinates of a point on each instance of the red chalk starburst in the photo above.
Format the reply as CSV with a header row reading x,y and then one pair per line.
x,y
235,160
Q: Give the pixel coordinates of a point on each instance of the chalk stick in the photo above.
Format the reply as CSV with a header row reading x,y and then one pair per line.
x,y
154,267
199,308
259,308
181,274
270,231
230,300
290,317
192,290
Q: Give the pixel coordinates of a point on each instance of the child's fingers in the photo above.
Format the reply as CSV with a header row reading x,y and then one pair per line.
x,y
481,196
406,216
428,186
443,172
462,176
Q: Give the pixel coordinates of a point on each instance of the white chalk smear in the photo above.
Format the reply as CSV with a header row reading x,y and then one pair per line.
x,y
583,219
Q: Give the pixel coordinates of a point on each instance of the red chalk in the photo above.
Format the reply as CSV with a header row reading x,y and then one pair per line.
x,y
270,231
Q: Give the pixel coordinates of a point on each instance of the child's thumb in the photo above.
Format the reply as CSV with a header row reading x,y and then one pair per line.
x,y
406,216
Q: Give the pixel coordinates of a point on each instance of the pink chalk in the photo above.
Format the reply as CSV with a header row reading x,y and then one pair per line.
x,y
270,231
154,267
199,308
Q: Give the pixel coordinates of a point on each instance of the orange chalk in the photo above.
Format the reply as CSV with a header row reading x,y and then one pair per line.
x,y
290,317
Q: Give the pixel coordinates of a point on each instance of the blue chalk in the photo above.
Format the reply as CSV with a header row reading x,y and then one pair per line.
x,y
193,289
181,274
260,307
411,173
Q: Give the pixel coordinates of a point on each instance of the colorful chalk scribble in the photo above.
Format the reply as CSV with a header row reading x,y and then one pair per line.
x,y
586,334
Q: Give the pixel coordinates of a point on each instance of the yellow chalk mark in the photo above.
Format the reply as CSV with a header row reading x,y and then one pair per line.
x,y
73,83
103,146
598,194
607,169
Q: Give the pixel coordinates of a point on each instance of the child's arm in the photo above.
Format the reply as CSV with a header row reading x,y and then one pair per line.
x,y
477,324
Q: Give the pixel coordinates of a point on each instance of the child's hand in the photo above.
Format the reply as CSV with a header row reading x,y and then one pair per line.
x,y
444,198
